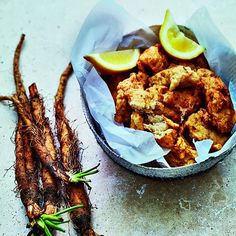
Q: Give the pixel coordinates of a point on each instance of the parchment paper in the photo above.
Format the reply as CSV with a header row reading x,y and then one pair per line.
x,y
103,30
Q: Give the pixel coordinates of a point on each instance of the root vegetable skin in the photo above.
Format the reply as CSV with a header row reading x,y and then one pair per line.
x,y
80,217
26,167
37,140
67,137
49,182
69,148
49,191
20,89
26,175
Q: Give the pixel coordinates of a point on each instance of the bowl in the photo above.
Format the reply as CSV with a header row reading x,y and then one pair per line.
x,y
151,169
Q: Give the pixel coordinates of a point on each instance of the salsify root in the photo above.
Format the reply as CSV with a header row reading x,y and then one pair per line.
x,y
37,140
50,188
69,151
26,167
26,176
20,89
34,139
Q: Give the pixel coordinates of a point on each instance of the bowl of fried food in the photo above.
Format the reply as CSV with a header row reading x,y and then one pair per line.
x,y
172,93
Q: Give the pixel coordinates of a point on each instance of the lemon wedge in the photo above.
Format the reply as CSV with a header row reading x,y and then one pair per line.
x,y
175,42
115,61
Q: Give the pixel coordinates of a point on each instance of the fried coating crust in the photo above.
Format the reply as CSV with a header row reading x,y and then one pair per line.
x,y
182,153
182,63
194,64
197,128
135,81
136,121
176,76
218,101
165,130
183,101
145,100
152,60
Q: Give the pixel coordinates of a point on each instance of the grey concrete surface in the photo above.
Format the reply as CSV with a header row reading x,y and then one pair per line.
x,y
123,203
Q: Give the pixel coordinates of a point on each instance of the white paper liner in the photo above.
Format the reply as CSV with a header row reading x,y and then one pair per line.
x,y
103,30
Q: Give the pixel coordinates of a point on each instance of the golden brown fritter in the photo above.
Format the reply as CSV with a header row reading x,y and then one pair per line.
x,y
182,63
152,60
135,81
145,100
165,130
181,154
218,101
183,101
197,128
194,64
176,76
136,121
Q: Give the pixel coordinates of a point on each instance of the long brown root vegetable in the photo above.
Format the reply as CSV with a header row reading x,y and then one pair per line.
x,y
69,148
34,136
37,139
26,167
50,189
26,180
20,89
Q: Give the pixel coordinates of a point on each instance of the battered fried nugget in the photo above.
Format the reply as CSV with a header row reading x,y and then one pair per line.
x,y
148,101
136,121
183,101
197,128
181,154
218,101
177,76
123,110
182,63
165,131
145,101
152,60
194,64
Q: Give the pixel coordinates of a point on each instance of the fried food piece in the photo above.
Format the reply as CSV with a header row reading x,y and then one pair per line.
x,y
194,64
181,154
197,128
136,121
218,101
152,60
164,130
135,81
139,100
182,63
145,100
183,101
177,76
202,72
148,101
169,112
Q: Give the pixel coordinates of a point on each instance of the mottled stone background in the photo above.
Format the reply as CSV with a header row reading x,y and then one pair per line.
x,y
124,204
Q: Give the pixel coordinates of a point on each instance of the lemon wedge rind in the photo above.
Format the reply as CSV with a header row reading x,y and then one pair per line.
x,y
175,42
114,61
